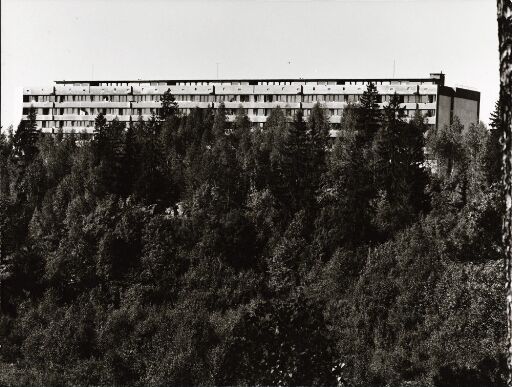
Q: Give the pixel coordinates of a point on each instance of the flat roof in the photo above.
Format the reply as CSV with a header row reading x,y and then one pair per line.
x,y
434,80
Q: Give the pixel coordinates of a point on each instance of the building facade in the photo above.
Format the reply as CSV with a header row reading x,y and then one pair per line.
x,y
73,105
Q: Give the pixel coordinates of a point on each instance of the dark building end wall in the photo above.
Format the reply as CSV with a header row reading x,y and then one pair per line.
x,y
459,102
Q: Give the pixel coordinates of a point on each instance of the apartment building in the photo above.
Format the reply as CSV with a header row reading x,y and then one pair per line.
x,y
73,105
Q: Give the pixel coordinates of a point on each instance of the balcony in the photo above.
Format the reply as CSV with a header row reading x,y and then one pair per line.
x,y
259,105
234,89
74,117
90,104
71,90
274,89
38,104
45,90
325,105
176,90
334,89
39,117
95,90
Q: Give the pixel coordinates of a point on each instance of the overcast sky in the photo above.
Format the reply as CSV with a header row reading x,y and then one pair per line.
x,y
44,41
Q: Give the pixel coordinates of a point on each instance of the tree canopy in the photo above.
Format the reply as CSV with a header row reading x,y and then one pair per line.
x,y
195,249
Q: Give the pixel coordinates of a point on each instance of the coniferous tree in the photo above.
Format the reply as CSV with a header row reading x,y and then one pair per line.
x,y
447,149
493,153
169,106
369,115
388,146
220,122
100,138
398,167
296,164
318,133
346,193
25,138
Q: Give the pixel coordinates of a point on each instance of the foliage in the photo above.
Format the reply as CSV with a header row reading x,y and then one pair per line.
x,y
202,250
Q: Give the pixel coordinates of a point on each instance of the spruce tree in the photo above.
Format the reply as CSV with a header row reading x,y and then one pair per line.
x,y
318,133
220,124
391,168
492,159
169,106
369,115
297,163
346,193
100,138
25,139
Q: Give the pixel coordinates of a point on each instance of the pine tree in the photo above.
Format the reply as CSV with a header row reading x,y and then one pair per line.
x,y
368,114
346,193
387,146
296,164
399,167
100,135
415,167
318,133
169,106
25,139
492,159
445,144
220,124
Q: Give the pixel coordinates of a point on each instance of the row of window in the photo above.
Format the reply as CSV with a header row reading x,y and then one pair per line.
x,y
241,83
348,98
142,111
185,111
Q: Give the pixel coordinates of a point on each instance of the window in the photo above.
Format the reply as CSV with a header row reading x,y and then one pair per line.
x,y
25,98
244,98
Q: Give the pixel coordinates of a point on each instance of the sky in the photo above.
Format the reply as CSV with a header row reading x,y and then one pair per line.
x,y
47,40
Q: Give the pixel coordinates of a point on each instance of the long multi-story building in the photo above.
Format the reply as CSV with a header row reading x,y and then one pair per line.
x,y
73,105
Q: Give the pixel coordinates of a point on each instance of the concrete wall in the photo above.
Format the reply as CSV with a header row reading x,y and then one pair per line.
x,y
443,110
459,102
298,93
466,110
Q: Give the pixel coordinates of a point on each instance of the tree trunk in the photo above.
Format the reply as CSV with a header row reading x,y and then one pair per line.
x,y
505,47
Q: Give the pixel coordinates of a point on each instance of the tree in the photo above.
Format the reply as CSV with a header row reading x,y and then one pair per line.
x,y
346,193
100,138
169,106
505,51
220,122
25,139
368,114
493,159
318,133
399,167
296,165
447,148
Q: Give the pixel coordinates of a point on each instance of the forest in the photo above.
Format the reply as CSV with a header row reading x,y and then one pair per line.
x,y
190,250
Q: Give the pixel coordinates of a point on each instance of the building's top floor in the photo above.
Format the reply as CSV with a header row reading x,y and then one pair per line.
x,y
434,79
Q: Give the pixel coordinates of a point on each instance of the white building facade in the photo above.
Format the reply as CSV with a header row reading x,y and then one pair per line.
x,y
73,105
